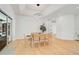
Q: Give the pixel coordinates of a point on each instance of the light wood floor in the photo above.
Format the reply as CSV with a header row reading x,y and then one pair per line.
x,y
58,47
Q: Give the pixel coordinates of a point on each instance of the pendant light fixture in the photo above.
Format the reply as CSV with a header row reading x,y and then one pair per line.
x,y
38,4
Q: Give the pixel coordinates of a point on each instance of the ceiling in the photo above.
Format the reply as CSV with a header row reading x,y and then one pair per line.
x,y
45,10
65,10
34,10
69,9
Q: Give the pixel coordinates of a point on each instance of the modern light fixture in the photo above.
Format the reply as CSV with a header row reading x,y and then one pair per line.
x,y
38,4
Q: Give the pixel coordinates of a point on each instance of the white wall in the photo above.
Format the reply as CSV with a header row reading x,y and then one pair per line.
x,y
54,28
77,24
8,9
65,28
27,25
48,25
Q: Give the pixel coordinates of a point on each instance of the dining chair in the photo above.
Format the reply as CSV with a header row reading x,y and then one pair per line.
x,y
42,39
47,39
35,40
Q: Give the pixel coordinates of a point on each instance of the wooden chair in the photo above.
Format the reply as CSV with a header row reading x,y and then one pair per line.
x,y
35,39
42,39
47,38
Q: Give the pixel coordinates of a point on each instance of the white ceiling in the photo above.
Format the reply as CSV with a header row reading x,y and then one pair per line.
x,y
45,10
66,9
34,10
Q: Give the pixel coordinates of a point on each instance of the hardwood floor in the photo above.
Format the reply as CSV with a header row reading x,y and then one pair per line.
x,y
57,47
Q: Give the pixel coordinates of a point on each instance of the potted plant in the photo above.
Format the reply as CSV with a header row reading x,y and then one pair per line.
x,y
43,28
